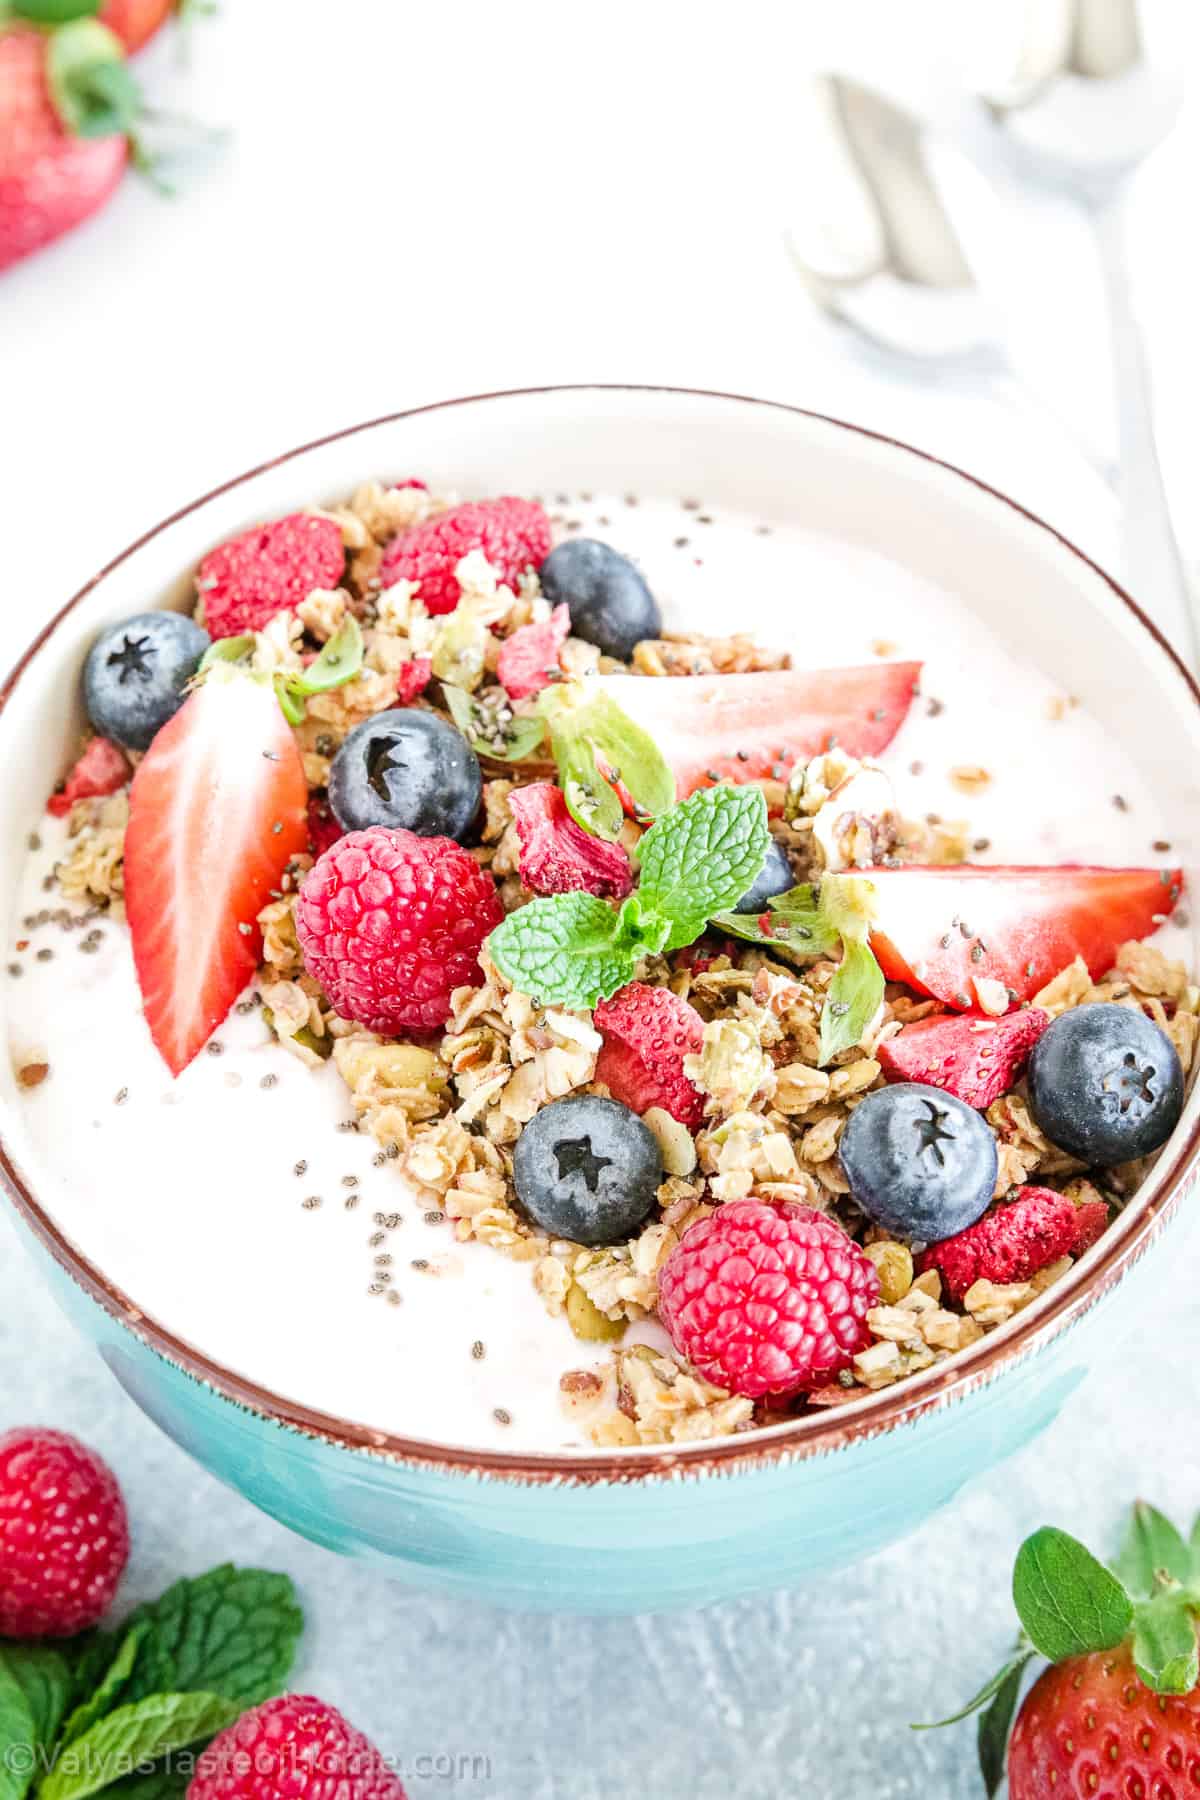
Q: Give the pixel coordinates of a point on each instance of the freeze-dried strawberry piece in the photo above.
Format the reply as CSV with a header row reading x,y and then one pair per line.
x,y
102,769
557,855
529,658
1016,1240
412,678
647,1032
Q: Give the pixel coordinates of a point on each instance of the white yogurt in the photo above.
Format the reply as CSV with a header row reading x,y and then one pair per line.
x,y
189,1194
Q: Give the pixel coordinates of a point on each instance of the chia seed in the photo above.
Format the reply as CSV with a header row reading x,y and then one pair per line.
x,y
350,1181
311,1203
435,1218
45,955
35,842
478,1350
934,708
1162,845
215,1047
14,968
300,1168
981,844
350,1202
502,1415
420,1263
121,1096
1120,802
269,1081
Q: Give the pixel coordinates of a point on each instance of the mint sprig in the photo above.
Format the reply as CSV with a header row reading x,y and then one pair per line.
x,y
1070,1606
574,950
77,1719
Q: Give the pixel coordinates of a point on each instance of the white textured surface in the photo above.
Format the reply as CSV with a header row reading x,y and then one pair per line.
x,y
428,201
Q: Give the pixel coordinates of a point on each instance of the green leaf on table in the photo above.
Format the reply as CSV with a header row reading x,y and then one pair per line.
x,y
135,1734
995,1723
1164,1643
700,857
103,1695
19,1737
852,999
232,1632
1068,1602
1152,1545
573,949
94,91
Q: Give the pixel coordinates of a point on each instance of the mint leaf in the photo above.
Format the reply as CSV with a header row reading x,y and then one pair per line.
x,y
491,727
994,1725
165,1781
94,92
701,856
339,662
1151,1544
104,1695
1164,1644
565,950
1068,1602
141,1733
18,1736
852,999
231,1632
795,924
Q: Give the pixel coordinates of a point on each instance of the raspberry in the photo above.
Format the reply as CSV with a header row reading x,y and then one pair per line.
x,y
1015,1241
64,1536
101,769
391,923
966,1054
297,1746
556,855
513,534
528,660
272,568
765,1297
647,1033
412,678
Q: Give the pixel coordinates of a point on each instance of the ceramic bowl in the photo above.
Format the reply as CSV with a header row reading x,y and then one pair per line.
x,y
641,1529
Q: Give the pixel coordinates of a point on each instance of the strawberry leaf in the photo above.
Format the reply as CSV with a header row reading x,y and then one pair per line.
x,y
94,92
996,1722
852,1000
1068,1602
1152,1546
1164,1644
987,1692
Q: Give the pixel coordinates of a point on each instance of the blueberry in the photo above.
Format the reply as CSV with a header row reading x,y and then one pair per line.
x,y
135,674
919,1161
407,769
775,877
1105,1084
609,602
588,1170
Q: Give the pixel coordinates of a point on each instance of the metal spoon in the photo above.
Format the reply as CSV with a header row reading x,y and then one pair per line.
x,y
1089,93
894,234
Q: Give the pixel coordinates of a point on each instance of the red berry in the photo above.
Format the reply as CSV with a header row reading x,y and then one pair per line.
x,y
966,1054
269,569
410,481
391,923
412,678
513,534
295,1746
64,1536
557,855
323,828
528,660
101,769
1090,1726
765,1297
647,1033
1016,1240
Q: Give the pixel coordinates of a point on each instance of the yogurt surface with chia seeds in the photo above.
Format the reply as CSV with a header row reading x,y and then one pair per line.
x,y
240,1206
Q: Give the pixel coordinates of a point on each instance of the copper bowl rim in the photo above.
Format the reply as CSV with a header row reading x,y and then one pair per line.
x,y
1127,1240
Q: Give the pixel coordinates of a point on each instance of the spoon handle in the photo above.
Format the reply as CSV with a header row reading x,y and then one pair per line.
x,y
1154,569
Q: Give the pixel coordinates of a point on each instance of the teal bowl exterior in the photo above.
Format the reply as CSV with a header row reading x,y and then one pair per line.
x,y
614,1540
653,1528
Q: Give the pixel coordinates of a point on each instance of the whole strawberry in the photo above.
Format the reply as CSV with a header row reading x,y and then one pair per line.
x,y
64,1535
1117,1714
295,1746
391,923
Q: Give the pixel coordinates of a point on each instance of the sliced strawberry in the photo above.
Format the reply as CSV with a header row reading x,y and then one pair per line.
x,y
556,855
529,658
966,1054
216,811
100,770
943,930
647,1033
740,727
